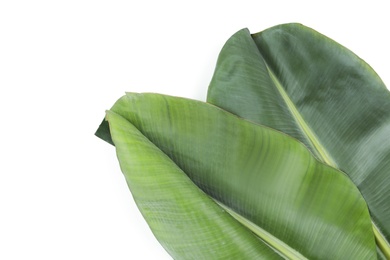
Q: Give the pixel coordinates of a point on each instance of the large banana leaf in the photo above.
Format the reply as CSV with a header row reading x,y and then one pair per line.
x,y
295,80
268,181
185,220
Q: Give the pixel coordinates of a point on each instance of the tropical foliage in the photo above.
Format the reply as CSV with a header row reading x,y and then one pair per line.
x,y
289,157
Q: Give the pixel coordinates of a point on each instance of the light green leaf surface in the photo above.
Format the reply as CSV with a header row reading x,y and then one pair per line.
x,y
267,180
185,220
302,83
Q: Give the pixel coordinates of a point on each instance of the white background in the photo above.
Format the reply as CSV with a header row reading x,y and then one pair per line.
x,y
63,63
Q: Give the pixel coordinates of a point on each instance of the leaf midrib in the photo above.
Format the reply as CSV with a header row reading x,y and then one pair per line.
x,y
275,243
381,242
320,151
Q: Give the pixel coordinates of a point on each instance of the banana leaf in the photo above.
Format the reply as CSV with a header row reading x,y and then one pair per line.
x,y
293,79
186,221
267,195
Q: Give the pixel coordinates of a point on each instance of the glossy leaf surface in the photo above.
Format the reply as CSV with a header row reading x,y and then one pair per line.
x,y
267,180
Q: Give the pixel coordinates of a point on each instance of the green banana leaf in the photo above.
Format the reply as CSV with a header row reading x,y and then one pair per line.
x,y
186,221
297,81
268,181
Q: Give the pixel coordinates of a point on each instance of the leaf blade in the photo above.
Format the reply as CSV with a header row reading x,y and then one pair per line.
x,y
186,222
194,135
340,98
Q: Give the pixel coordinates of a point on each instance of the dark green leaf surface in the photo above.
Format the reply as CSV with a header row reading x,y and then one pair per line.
x,y
267,180
296,80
